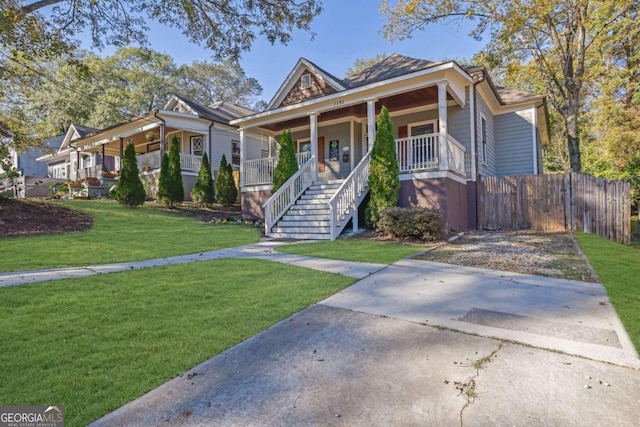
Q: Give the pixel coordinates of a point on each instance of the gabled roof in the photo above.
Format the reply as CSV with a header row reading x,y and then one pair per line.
x,y
75,132
390,67
301,66
222,112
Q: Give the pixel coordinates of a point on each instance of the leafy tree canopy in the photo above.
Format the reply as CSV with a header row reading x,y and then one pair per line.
x,y
226,28
560,38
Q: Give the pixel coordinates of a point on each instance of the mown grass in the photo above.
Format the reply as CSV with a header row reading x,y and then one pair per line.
x,y
94,344
120,234
618,267
354,249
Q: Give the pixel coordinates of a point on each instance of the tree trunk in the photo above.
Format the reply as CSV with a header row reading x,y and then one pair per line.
x,y
573,140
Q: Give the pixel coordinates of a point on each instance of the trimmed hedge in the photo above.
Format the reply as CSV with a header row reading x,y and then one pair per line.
x,y
419,222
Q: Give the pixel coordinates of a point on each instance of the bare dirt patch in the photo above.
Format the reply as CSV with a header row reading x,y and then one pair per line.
x,y
29,218
528,252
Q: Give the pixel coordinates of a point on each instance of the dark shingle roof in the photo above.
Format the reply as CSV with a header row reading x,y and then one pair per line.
x,y
222,111
390,67
84,130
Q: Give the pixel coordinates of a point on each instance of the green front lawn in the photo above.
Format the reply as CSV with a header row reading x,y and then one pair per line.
x,y
94,344
618,267
354,249
120,234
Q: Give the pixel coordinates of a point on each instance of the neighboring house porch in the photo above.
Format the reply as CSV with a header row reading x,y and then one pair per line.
x,y
198,129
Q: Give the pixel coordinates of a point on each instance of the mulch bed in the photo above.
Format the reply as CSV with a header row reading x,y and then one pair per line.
x,y
29,218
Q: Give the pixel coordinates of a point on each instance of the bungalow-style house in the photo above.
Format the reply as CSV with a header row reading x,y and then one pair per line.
x,y
68,162
199,129
451,123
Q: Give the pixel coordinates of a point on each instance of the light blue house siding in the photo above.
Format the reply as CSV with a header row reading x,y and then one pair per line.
x,y
515,144
487,167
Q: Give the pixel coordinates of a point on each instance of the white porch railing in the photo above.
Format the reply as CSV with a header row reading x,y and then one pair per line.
x,y
190,162
260,171
150,160
456,156
418,152
344,203
90,172
286,196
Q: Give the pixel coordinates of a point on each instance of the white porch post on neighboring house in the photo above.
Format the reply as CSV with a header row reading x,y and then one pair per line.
x,y
352,144
371,123
243,155
162,141
442,120
313,119
121,151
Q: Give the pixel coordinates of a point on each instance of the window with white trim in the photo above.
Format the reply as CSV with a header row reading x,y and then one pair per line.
x,y
305,81
422,128
483,133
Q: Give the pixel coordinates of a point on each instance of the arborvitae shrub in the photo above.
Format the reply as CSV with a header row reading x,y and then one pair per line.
x,y
130,190
203,192
287,163
225,185
384,183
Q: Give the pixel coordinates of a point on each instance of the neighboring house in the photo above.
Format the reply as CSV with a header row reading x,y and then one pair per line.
x,y
199,129
451,122
27,164
68,162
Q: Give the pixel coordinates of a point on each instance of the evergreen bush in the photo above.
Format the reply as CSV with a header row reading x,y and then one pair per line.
x,y
203,192
163,182
287,163
170,188
130,190
416,221
225,185
384,183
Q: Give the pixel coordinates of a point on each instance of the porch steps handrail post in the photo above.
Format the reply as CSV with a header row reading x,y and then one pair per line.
x,y
343,205
280,202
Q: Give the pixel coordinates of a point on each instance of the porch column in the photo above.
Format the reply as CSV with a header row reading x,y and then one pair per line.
x,y
313,119
352,144
102,154
371,123
121,151
442,120
243,155
162,137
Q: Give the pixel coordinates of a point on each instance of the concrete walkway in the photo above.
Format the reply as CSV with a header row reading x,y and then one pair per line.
x,y
415,343
262,250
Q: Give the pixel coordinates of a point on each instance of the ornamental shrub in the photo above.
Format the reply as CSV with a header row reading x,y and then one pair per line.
x,y
203,192
130,190
225,185
163,181
170,188
287,163
416,221
384,183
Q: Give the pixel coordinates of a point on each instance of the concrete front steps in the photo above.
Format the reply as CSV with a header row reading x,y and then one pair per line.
x,y
309,217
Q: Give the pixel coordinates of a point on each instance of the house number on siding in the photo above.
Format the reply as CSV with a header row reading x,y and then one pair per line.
x,y
338,103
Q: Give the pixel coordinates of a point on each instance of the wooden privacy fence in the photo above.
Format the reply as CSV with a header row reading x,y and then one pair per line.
x,y
558,202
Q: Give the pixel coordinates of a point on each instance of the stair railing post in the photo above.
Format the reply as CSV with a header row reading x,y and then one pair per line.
x,y
354,204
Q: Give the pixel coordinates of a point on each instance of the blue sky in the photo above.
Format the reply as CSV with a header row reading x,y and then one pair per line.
x,y
345,31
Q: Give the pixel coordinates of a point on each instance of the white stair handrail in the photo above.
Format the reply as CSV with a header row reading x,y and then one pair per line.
x,y
344,203
279,202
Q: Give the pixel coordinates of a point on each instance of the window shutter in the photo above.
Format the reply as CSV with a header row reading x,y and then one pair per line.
x,y
403,131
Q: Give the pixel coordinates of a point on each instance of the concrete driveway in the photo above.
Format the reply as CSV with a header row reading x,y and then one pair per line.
x,y
422,344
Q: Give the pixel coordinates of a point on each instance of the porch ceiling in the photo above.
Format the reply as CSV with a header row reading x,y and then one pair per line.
x,y
112,148
403,101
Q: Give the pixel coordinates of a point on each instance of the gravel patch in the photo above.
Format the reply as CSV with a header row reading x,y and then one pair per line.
x,y
528,252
